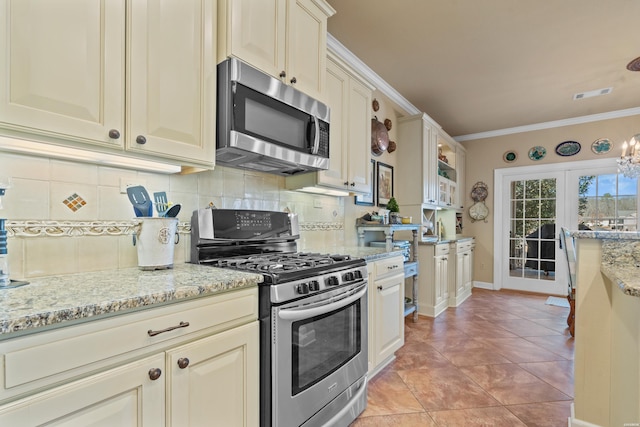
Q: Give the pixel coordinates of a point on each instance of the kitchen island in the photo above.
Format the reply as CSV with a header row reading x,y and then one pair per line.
x,y
607,337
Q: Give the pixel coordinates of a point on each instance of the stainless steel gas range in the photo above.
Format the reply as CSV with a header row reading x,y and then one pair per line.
x,y
313,315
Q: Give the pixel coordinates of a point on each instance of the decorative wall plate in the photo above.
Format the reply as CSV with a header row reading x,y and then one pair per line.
x,y
538,152
510,156
479,191
601,146
568,148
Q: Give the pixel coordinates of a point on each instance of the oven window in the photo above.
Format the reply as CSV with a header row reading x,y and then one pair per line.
x,y
323,344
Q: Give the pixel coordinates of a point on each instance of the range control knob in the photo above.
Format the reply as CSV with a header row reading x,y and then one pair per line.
x,y
357,274
303,288
314,285
333,281
348,277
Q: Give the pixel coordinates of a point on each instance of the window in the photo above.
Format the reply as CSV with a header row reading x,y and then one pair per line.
x,y
608,201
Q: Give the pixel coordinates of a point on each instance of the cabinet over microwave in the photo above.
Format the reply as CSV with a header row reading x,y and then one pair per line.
x,y
266,125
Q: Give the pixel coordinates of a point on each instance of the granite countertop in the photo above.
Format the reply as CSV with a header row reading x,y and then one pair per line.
x,y
53,300
368,253
620,257
457,238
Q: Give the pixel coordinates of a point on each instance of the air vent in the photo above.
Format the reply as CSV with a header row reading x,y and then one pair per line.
x,y
592,93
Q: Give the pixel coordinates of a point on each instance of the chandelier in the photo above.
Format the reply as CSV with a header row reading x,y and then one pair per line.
x,y
629,163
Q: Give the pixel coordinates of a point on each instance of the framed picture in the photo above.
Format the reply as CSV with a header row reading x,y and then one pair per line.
x,y
367,199
385,183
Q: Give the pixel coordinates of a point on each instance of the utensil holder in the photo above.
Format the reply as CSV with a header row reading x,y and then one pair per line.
x,y
155,239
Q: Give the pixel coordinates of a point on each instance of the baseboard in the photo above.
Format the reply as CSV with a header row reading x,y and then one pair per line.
x,y
574,422
483,285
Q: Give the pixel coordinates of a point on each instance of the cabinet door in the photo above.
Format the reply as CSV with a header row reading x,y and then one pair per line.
x,y
254,32
124,396
214,381
306,47
171,104
359,137
442,278
62,68
467,270
389,316
337,95
461,272
430,164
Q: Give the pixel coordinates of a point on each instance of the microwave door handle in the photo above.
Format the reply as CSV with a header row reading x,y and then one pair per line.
x,y
316,140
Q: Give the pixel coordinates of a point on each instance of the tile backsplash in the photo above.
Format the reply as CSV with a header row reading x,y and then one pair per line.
x,y
42,189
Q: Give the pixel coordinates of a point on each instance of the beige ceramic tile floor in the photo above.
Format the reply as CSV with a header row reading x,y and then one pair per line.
x,y
500,359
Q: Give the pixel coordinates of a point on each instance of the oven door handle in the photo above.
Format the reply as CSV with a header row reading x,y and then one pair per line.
x,y
310,311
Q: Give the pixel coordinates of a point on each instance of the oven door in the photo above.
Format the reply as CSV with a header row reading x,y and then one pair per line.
x,y
319,351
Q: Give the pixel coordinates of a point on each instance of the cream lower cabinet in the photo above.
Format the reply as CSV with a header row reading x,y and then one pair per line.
x,y
124,396
201,368
214,381
119,77
284,38
434,278
460,273
386,311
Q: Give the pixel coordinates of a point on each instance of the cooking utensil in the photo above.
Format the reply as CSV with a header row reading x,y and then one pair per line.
x,y
173,211
379,137
139,198
161,202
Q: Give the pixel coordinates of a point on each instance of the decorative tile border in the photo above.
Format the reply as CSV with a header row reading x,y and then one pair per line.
x,y
321,226
35,228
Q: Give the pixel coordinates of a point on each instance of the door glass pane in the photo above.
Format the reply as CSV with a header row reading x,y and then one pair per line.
x,y
608,201
532,236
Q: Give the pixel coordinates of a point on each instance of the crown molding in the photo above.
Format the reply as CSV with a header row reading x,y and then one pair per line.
x,y
367,73
550,125
408,108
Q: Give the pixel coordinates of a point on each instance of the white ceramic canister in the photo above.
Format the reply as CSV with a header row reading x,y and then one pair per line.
x,y
155,240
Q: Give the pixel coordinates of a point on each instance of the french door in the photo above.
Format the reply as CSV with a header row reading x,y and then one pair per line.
x,y
533,210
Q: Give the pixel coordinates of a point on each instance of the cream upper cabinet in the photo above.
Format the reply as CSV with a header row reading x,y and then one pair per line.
x,y
418,173
284,38
172,80
112,75
349,98
62,67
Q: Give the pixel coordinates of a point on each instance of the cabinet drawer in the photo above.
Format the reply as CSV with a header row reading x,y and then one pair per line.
x,y
441,249
464,246
410,269
42,359
388,266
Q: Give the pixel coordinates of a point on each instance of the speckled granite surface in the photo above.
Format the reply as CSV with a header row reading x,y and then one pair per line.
x,y
366,252
56,299
620,257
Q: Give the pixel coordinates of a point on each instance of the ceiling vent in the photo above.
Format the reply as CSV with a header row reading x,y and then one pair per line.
x,y
592,93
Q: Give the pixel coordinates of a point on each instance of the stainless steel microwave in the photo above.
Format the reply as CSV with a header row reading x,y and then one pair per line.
x,y
266,125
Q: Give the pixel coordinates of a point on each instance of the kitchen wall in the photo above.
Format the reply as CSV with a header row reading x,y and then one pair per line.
x,y
352,211
53,238
485,155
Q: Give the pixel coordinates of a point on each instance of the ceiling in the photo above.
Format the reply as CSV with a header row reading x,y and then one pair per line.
x,y
481,66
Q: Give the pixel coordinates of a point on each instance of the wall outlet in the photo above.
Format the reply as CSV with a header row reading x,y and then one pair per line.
x,y
128,182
